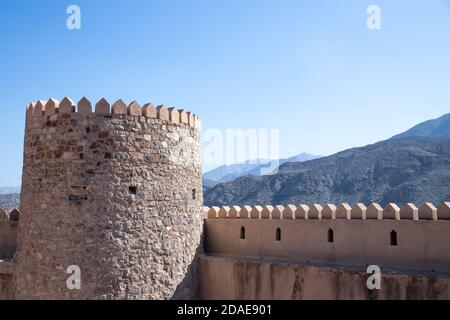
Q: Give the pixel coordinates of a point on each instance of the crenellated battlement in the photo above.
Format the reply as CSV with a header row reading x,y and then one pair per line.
x,y
395,237
359,211
12,215
39,112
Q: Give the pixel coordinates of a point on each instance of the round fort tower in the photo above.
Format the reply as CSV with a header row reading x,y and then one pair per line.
x,y
116,192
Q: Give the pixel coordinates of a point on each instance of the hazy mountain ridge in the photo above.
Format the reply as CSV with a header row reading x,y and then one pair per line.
x,y
256,167
435,128
391,171
9,190
410,167
208,184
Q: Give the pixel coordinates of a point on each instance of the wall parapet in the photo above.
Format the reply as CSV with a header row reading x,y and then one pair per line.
x,y
12,215
8,233
343,211
397,238
38,112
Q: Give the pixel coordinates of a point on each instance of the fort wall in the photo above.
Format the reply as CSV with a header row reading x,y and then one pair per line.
x,y
8,242
230,278
8,239
6,284
115,191
8,233
392,238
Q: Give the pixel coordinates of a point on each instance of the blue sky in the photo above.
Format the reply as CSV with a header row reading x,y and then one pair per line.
x,y
309,68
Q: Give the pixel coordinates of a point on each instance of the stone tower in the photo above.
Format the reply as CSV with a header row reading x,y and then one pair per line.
x,y
116,192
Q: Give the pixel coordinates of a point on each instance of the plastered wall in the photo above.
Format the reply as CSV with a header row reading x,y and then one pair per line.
x,y
400,244
227,278
8,239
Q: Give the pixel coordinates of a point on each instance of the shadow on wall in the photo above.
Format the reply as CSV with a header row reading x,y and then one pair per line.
x,y
225,278
6,288
189,288
8,233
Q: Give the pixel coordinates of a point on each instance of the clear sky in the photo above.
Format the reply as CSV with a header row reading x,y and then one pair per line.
x,y
309,68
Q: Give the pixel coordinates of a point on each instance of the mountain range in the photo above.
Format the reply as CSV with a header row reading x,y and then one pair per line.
x,y
413,166
9,190
256,167
436,128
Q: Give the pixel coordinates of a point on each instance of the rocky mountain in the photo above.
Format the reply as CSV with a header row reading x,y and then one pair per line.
x,y
413,166
255,167
399,170
9,201
435,128
208,184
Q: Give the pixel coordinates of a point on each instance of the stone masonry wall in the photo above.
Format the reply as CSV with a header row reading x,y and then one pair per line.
x,y
116,192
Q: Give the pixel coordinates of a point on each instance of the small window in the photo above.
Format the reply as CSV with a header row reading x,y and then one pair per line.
x,y
393,238
330,235
132,190
194,194
278,235
242,233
